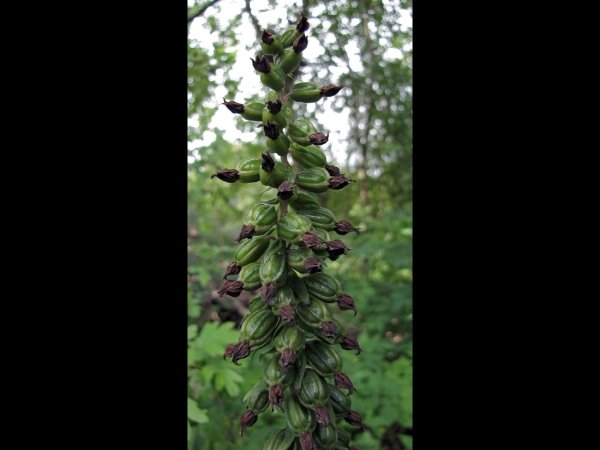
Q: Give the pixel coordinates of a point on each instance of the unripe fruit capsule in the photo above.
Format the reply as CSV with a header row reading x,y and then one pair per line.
x,y
314,179
307,92
308,156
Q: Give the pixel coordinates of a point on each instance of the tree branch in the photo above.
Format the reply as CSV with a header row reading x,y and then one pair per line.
x,y
201,11
254,20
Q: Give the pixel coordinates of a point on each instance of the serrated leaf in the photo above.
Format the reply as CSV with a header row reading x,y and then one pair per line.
x,y
195,413
192,331
214,339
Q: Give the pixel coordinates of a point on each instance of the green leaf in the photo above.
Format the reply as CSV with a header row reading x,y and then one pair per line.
x,y
189,430
195,413
214,339
192,331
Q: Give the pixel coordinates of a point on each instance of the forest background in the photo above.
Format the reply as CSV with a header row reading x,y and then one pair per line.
x,y
365,45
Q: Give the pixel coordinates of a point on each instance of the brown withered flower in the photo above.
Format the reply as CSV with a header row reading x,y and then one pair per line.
x,y
232,288
268,163
336,248
333,170
287,315
318,138
276,397
267,37
228,351
248,419
246,233
343,382
311,239
354,419
313,265
261,64
288,356
300,44
330,90
345,303
271,130
268,292
329,330
285,191
227,175
240,350
344,227
302,24
274,106
338,182
350,343
306,442
322,414
234,107
232,269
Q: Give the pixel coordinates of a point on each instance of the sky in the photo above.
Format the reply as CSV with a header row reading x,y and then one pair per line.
x,y
332,122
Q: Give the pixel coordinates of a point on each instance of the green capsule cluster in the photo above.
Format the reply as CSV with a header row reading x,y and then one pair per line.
x,y
282,248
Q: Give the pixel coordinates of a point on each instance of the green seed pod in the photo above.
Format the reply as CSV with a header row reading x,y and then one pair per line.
x,y
279,145
257,397
343,438
262,217
325,438
274,270
323,286
258,327
289,36
300,365
300,131
290,337
320,217
292,226
253,111
250,276
304,201
300,419
257,304
275,47
313,391
275,79
314,179
288,60
314,314
285,297
276,177
309,156
298,256
298,286
248,170
274,375
308,92
282,439
340,402
288,113
251,250
323,358
280,117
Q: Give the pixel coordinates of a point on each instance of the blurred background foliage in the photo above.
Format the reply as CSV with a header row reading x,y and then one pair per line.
x,y
377,272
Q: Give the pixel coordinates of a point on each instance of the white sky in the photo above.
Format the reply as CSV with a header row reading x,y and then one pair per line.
x,y
328,120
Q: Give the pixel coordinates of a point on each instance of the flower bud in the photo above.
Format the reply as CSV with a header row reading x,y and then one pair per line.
x,y
318,138
306,442
231,287
248,419
336,248
246,233
344,227
330,90
345,302
232,269
354,419
237,351
227,175
276,397
350,343
288,357
338,182
261,64
343,382
300,43
234,107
